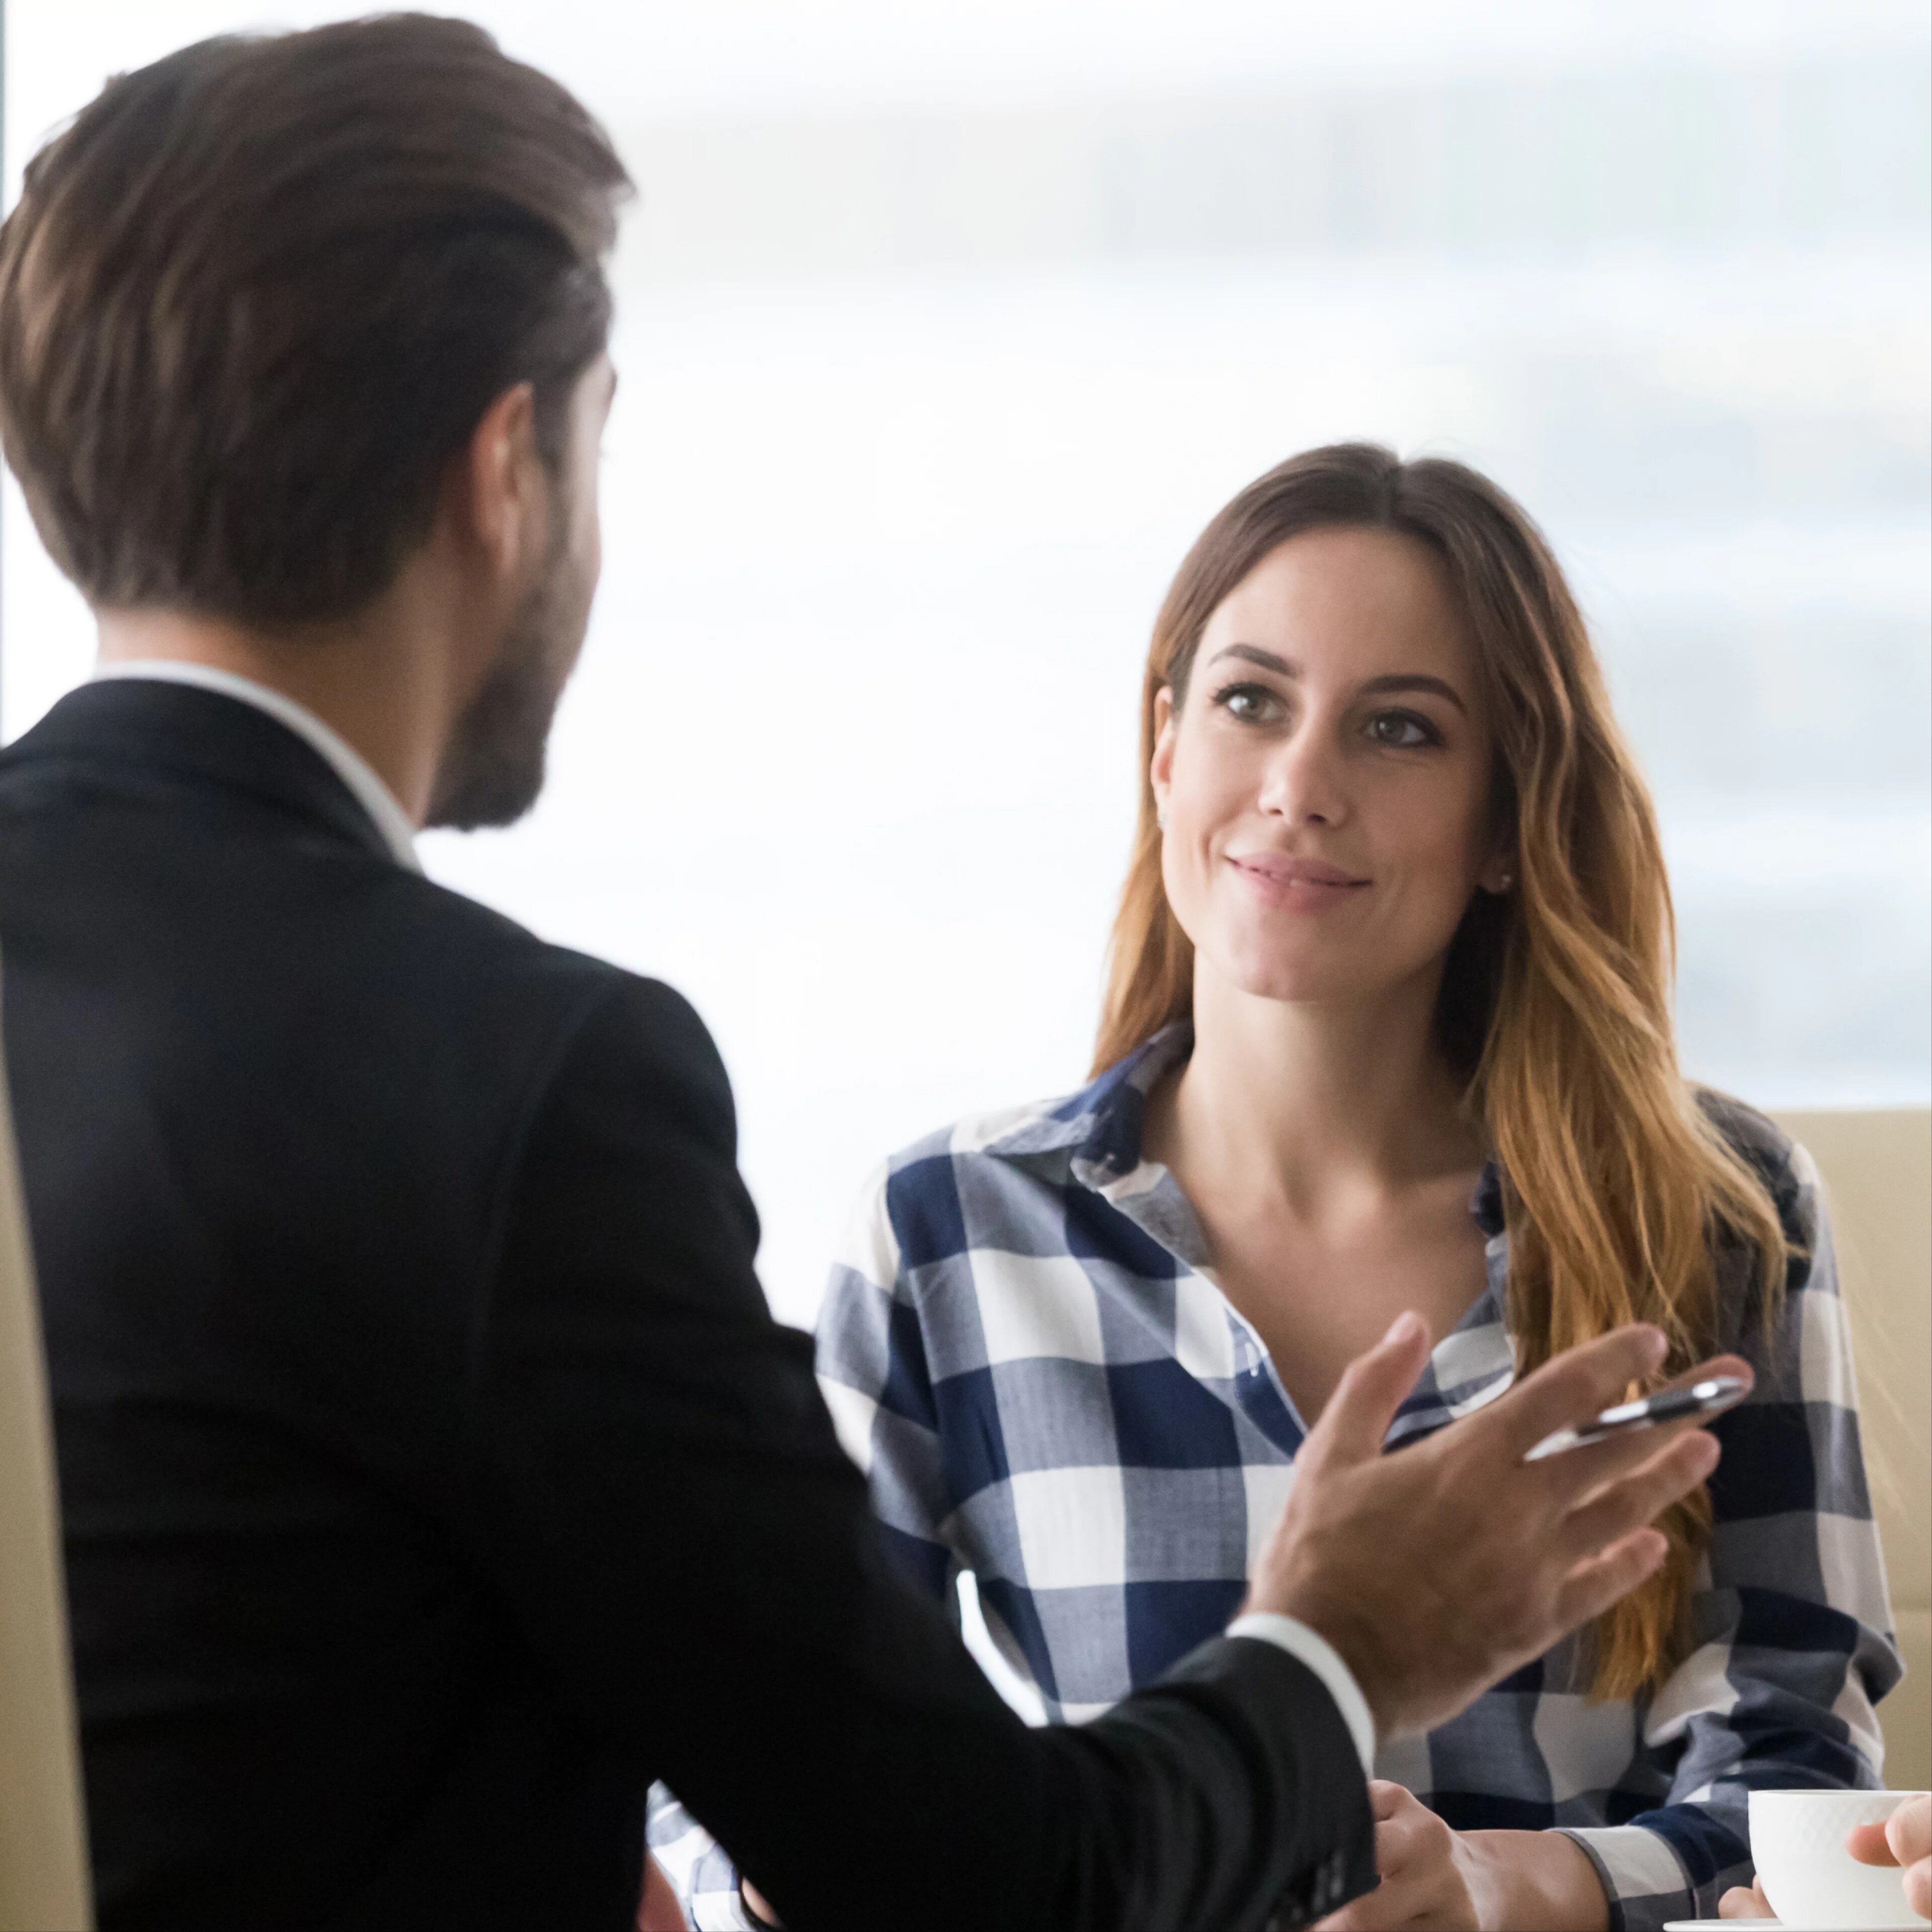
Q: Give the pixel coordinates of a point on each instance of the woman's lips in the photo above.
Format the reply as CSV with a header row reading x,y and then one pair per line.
x,y
1302,882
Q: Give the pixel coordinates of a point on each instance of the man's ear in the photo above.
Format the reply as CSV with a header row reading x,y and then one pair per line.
x,y
1160,768
499,494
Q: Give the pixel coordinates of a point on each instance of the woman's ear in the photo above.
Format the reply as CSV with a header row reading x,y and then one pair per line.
x,y
1160,771
1498,872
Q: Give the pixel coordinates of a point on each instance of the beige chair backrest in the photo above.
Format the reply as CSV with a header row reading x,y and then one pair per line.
x,y
1877,1170
44,1875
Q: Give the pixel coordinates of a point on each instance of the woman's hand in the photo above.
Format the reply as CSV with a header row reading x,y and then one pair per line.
x,y
1428,1879
753,1900
1905,1839
1437,1880
1745,1901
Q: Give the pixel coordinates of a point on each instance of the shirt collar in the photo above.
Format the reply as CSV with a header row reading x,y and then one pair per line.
x,y
1099,1132
1103,1124
349,764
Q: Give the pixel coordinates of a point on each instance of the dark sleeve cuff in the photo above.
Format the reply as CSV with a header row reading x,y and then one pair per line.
x,y
1334,1824
1229,1796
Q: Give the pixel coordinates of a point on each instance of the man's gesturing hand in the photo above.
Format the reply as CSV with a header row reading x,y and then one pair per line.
x,y
1437,1570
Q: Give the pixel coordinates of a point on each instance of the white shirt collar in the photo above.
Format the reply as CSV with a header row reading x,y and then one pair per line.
x,y
349,764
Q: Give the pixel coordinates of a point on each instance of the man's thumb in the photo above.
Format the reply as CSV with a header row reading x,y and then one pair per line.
x,y
1357,1417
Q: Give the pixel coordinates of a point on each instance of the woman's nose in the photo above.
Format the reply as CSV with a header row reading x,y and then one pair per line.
x,y
1303,783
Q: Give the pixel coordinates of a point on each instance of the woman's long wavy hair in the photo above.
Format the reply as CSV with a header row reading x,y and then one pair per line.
x,y
1554,1006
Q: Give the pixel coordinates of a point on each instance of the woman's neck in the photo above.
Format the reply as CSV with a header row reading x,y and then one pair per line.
x,y
1316,1105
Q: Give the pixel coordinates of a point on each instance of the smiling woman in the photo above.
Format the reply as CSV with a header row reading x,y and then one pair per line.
x,y
1388,1029
1304,757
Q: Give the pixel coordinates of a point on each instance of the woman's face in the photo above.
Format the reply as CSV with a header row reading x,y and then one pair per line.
x,y
1325,786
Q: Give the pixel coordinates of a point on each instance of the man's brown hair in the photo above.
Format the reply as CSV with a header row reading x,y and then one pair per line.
x,y
256,296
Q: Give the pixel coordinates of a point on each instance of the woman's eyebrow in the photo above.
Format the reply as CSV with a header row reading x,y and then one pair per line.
x,y
1267,660
1415,681
1394,680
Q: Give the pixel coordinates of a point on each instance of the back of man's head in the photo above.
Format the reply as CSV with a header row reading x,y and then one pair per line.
x,y
257,295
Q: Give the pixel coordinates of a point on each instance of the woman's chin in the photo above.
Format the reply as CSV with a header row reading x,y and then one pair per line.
x,y
1297,982
1309,973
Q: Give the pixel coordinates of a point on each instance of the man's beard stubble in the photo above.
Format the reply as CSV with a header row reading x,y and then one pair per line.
x,y
493,767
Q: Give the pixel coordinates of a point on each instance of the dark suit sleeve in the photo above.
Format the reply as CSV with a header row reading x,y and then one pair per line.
x,y
694,1557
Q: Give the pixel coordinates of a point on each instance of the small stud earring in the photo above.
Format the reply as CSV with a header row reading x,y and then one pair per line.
x,y
1503,883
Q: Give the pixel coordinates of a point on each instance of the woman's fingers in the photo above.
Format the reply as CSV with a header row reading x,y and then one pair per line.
x,y
1909,1831
1904,1839
1391,1903
1918,1886
1386,1798
1743,1902
658,1910
1869,1845
1640,1498
1387,1907
1398,1818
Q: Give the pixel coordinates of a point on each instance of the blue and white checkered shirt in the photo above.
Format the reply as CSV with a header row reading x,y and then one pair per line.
x,y
1025,1347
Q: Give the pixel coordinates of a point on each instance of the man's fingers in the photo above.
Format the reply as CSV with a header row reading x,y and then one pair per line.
x,y
1639,1498
1591,1588
1364,1403
1575,1472
1619,1449
1570,1478
1734,1366
1568,1390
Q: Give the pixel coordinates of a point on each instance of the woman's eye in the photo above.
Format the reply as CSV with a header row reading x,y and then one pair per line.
x,y
1252,703
1402,729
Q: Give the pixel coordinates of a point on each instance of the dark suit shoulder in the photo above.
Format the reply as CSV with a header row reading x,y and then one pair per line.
x,y
631,1144
634,1039
643,1031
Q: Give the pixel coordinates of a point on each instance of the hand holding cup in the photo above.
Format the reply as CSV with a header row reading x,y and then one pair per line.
x,y
1809,1846
1905,1840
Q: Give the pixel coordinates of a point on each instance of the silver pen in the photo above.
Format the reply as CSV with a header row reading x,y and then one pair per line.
x,y
1704,1398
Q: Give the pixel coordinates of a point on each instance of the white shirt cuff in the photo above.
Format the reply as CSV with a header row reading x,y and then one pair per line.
x,y
1320,1656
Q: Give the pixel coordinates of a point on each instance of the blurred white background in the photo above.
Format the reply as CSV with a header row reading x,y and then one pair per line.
x,y
945,324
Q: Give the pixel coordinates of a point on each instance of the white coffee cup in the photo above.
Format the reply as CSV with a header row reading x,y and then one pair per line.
x,y
1797,1844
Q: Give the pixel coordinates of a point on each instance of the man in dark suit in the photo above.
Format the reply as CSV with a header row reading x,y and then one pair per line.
x,y
433,1474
